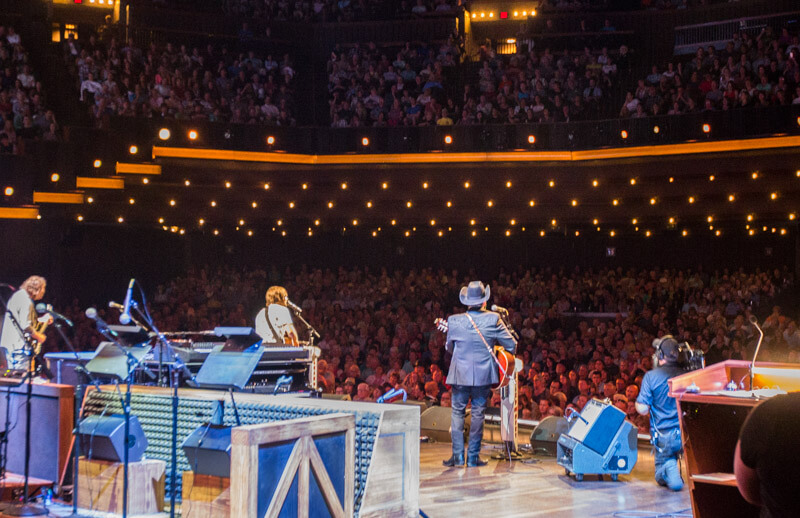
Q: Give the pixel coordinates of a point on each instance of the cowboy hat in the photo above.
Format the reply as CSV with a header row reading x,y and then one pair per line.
x,y
474,294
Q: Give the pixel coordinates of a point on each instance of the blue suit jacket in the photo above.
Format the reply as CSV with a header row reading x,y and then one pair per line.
x,y
472,364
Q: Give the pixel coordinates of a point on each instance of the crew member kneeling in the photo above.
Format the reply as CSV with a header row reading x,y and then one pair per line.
x,y
473,370
665,431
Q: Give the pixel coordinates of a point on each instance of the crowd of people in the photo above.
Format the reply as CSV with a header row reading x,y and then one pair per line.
x,y
419,85
177,82
378,327
23,112
336,10
416,85
751,71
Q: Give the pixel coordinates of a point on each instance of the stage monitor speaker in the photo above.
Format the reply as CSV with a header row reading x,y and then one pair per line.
x,y
435,423
544,438
208,450
103,438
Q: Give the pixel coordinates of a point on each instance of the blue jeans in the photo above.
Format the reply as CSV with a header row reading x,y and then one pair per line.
x,y
461,396
668,447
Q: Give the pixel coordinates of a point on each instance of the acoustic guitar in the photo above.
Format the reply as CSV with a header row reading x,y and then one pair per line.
x,y
503,359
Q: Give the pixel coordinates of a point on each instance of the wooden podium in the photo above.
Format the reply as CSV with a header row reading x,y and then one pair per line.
x,y
710,424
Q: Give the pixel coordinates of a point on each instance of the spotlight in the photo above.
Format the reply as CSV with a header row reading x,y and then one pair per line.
x,y
706,128
164,134
55,177
365,142
9,191
97,163
531,139
623,134
448,139
270,140
133,150
192,135
656,129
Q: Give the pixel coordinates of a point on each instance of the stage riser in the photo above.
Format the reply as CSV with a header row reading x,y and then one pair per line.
x,y
387,436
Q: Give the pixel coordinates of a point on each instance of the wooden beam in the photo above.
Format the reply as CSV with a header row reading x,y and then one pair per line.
x,y
75,198
86,182
147,169
19,212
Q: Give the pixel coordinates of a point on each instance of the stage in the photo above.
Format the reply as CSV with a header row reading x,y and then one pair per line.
x,y
540,489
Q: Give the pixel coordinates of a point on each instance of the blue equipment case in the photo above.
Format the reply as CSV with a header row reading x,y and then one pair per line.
x,y
599,441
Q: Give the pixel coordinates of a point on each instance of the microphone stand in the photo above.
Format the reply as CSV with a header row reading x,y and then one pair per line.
x,y
755,355
312,333
80,371
25,508
178,367
126,409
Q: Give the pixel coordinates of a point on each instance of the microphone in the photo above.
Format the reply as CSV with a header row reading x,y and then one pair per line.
x,y
12,288
499,309
101,324
120,307
47,308
294,307
753,320
125,317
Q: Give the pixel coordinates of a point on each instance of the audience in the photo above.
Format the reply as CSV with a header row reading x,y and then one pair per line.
x,y
416,85
336,10
175,82
23,115
750,72
378,333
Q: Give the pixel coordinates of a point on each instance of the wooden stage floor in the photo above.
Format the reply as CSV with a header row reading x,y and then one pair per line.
x,y
540,489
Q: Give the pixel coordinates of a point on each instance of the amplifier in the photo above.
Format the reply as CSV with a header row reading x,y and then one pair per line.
x,y
600,441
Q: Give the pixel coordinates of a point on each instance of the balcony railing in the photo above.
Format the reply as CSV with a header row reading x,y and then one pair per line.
x,y
574,136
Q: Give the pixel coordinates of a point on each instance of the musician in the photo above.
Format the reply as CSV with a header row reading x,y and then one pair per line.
x,y
21,306
473,370
665,432
274,323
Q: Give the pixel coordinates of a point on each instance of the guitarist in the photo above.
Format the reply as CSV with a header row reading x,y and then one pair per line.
x,y
21,306
473,370
274,322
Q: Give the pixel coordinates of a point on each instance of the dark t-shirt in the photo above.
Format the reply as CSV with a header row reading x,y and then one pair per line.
x,y
655,394
770,444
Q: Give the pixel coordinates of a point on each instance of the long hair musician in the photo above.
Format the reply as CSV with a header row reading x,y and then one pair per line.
x,y
21,306
274,322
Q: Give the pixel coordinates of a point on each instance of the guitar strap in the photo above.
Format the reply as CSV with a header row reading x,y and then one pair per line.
x,y
488,348
278,338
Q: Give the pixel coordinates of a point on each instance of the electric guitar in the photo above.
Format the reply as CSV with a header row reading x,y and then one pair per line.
x,y
502,358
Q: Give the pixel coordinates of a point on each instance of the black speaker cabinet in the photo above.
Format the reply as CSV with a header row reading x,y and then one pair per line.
x,y
544,438
208,450
103,438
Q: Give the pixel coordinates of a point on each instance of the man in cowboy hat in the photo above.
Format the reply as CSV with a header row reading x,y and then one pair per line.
x,y
473,371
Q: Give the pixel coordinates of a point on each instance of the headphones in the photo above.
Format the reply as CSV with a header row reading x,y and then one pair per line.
x,y
684,355
658,344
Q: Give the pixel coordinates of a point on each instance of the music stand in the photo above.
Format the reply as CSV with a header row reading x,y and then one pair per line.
x,y
231,365
131,335
111,360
